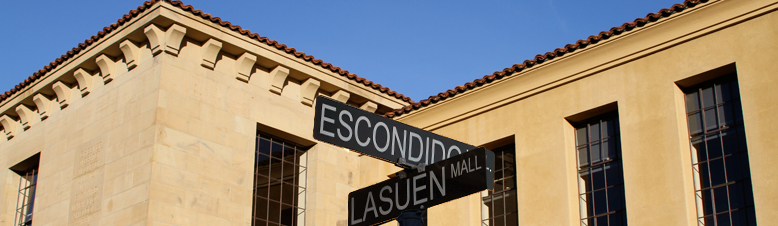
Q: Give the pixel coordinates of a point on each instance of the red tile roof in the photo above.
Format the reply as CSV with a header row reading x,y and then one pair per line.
x,y
580,44
148,4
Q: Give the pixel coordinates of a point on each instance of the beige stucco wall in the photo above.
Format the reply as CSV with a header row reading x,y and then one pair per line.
x,y
637,71
170,141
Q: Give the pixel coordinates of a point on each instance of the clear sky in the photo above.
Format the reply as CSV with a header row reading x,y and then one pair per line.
x,y
417,48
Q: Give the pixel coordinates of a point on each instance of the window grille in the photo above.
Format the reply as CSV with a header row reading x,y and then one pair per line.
x,y
719,153
279,182
600,184
26,196
500,205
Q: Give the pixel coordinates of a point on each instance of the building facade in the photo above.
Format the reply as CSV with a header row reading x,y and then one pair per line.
x,y
173,117
663,121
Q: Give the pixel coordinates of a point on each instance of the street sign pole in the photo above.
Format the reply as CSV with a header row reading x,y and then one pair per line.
x,y
412,218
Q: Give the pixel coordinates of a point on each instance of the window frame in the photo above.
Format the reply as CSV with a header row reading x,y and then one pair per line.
x,y
724,93
607,162
276,183
507,195
28,184
25,199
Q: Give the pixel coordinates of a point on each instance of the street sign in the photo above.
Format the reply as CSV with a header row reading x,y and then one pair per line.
x,y
343,125
440,182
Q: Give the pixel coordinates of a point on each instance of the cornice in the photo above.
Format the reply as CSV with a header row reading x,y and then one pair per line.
x,y
617,50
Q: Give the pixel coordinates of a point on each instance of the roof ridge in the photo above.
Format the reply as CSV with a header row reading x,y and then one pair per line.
x,y
148,4
540,58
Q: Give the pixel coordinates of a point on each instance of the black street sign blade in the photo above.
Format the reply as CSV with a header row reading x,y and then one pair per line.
x,y
440,182
368,133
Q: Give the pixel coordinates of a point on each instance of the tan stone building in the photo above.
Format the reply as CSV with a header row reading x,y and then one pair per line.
x,y
173,117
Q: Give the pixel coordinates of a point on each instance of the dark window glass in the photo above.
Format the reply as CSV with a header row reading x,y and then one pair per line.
x,y
601,186
279,182
501,202
26,196
720,155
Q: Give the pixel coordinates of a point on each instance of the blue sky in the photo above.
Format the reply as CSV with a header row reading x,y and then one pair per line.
x,y
417,48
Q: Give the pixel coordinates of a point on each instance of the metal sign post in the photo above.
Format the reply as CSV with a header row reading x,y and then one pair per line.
x,y
412,218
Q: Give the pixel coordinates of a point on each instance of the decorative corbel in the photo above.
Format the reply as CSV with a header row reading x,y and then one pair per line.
x,y
155,36
106,65
341,96
308,91
243,66
173,37
26,116
84,79
209,52
369,106
169,40
43,103
63,94
9,125
131,53
277,79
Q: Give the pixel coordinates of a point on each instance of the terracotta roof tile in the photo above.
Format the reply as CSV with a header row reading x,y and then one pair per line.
x,y
148,4
540,58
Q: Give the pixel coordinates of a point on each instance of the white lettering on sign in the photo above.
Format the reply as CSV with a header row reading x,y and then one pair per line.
x,y
441,188
385,195
385,199
386,139
464,167
417,188
342,122
354,221
410,147
375,141
453,148
356,128
370,206
397,139
324,108
437,143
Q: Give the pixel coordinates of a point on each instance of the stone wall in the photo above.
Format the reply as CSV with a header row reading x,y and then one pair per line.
x,y
157,124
